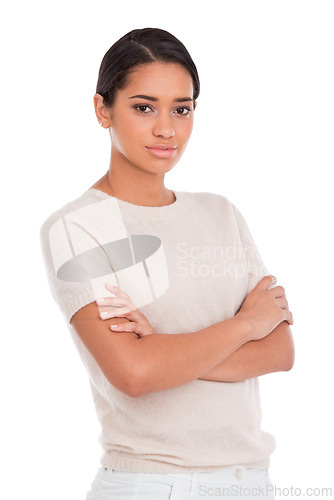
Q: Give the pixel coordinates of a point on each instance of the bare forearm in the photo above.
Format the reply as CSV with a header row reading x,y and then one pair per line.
x,y
172,360
273,353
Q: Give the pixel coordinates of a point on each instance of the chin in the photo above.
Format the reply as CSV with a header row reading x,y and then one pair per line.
x,y
157,168
156,164
164,164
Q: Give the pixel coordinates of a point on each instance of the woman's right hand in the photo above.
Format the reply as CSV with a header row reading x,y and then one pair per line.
x,y
265,309
122,307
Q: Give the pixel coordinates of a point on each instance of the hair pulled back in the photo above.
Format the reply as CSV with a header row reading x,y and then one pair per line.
x,y
138,47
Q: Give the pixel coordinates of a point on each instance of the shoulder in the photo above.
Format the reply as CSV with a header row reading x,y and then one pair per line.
x,y
81,201
81,204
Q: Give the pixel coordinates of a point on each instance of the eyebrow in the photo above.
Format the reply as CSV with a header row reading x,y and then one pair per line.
x,y
149,98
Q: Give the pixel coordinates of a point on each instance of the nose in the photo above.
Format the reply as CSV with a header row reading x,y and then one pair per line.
x,y
163,127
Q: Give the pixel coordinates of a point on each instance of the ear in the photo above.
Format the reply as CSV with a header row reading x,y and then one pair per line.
x,y
195,104
102,112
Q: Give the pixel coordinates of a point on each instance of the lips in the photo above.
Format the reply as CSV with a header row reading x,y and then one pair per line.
x,y
161,146
162,150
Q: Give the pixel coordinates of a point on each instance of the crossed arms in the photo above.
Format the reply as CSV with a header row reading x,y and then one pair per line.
x,y
216,353
273,353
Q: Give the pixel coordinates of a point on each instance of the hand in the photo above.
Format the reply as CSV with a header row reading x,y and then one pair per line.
x,y
122,307
265,309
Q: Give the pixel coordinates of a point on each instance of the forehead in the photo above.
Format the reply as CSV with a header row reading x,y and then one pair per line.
x,y
160,78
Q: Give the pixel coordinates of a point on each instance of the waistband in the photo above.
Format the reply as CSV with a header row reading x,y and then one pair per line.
x,y
239,472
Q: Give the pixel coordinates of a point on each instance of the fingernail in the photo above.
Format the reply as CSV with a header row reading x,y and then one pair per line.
x,y
113,326
100,301
104,314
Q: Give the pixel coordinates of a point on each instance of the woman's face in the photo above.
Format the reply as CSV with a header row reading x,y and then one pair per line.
x,y
163,118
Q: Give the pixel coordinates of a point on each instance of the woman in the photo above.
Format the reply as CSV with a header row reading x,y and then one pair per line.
x,y
175,384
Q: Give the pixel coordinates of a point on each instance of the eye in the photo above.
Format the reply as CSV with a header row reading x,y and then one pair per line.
x,y
139,108
188,110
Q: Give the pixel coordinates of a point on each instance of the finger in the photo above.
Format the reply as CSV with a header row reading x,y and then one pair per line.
x,y
277,291
124,311
132,315
112,301
124,327
115,290
131,327
117,312
266,282
289,317
282,302
108,314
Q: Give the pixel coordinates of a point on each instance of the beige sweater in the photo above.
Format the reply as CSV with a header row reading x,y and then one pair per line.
x,y
185,266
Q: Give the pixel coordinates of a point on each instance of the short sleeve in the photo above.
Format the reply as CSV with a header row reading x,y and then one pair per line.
x,y
255,265
89,246
82,248
68,274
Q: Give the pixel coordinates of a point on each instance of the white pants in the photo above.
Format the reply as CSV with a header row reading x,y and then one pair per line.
x,y
229,483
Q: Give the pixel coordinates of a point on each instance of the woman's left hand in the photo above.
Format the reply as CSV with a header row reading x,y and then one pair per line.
x,y
122,307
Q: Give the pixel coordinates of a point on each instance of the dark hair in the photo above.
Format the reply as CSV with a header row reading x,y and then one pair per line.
x,y
138,47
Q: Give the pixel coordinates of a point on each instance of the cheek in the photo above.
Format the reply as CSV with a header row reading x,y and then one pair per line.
x,y
128,131
135,131
185,129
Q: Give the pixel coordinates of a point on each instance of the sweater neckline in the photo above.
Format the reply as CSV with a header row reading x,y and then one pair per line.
x,y
178,207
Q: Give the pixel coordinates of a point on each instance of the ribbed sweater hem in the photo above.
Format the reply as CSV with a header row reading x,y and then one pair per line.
x,y
121,462
77,302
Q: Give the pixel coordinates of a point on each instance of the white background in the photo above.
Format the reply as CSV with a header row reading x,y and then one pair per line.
x,y
263,137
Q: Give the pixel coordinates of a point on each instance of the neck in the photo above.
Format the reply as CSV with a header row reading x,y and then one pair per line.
x,y
139,188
